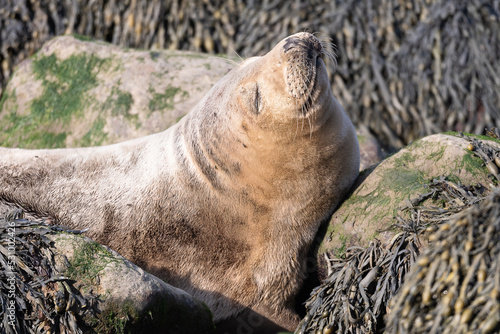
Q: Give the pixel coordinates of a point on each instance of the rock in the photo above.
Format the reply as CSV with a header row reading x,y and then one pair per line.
x,y
80,93
131,296
56,280
381,191
370,150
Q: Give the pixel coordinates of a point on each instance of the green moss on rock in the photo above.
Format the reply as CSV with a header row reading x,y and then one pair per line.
x,y
26,132
361,138
165,100
5,97
65,83
154,55
340,251
64,93
117,318
472,164
96,135
119,102
404,159
49,139
404,181
83,38
88,261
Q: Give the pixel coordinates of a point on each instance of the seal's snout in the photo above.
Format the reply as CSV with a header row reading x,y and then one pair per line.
x,y
302,54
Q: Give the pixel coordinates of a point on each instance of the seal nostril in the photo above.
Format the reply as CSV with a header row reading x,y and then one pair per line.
x,y
309,42
290,43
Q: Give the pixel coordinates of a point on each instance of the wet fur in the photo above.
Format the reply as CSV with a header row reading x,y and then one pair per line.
x,y
224,204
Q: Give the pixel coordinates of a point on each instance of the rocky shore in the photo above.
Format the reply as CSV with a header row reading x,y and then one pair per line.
x,y
382,247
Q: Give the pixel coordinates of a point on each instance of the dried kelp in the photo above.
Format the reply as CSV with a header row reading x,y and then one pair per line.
x,y
417,67
405,68
354,298
454,286
33,298
455,196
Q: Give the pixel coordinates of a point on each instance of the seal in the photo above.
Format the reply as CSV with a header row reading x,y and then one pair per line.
x,y
226,203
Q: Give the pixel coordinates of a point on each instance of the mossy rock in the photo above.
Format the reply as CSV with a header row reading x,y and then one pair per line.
x,y
131,300
77,92
382,191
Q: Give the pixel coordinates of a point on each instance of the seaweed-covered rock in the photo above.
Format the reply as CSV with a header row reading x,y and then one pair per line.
x,y
361,281
81,93
56,280
454,286
381,192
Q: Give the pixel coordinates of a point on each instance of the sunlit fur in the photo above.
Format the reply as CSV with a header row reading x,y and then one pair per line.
x,y
225,204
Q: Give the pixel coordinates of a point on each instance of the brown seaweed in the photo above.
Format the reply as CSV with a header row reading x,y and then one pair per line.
x,y
454,286
34,298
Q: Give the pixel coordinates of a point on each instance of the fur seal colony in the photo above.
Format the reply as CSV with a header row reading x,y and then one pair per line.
x,y
226,203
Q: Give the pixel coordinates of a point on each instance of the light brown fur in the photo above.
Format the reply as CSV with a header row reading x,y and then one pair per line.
x,y
224,204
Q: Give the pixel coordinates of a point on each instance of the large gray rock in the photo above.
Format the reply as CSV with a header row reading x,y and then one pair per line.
x,y
76,93
382,191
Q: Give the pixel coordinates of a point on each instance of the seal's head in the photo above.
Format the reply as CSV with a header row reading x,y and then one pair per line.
x,y
279,113
287,85
293,71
